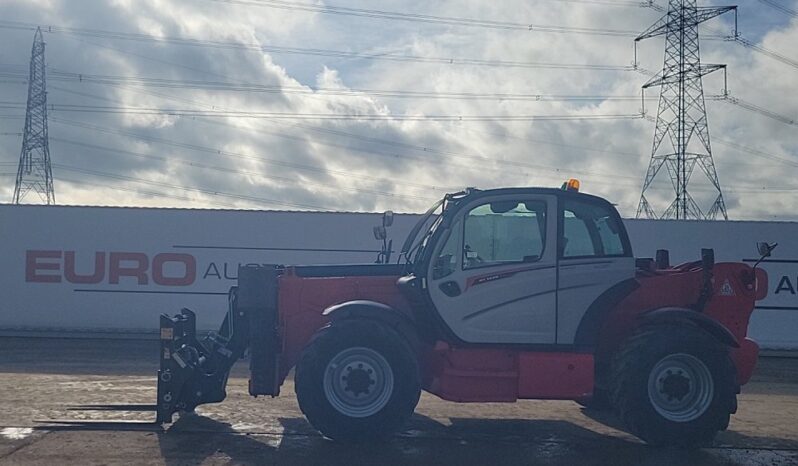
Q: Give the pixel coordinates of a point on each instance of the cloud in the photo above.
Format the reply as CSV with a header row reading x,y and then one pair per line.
x,y
126,159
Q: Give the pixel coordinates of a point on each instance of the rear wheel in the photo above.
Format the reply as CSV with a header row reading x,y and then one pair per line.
x,y
357,380
674,385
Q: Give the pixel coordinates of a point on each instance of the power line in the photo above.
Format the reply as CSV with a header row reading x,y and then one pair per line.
x,y
618,3
392,57
752,190
767,52
751,151
737,101
648,4
760,110
429,19
404,145
488,161
423,149
210,150
56,75
757,152
116,187
198,165
780,7
189,188
281,134
323,130
78,108
755,189
765,190
481,168
737,38
745,105
552,143
308,51
284,135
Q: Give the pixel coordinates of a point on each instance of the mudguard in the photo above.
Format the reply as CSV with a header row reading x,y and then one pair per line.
x,y
365,309
587,334
676,315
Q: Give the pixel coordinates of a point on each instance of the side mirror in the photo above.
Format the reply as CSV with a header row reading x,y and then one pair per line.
x,y
380,233
387,218
765,249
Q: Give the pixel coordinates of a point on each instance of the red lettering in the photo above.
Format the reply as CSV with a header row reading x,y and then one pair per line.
x,y
166,268
116,270
73,277
188,262
32,266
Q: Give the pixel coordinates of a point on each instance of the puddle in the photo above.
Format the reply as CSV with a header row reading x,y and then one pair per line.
x,y
244,427
16,433
102,385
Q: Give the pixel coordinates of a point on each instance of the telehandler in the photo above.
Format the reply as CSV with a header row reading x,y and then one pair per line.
x,y
496,295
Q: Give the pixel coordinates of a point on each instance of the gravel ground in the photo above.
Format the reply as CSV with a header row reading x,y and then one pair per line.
x,y
43,380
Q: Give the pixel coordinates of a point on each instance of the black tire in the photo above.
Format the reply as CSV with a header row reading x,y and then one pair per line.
x,y
317,402
711,385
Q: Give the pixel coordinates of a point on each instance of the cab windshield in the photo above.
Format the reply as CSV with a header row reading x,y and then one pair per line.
x,y
423,225
416,239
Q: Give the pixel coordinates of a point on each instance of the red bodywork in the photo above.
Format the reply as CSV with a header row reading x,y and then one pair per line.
x,y
505,373
734,293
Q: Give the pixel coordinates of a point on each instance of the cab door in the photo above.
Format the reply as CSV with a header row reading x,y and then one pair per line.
x,y
492,277
595,259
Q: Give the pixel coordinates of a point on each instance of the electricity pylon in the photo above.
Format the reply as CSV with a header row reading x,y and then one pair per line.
x,y
35,173
682,113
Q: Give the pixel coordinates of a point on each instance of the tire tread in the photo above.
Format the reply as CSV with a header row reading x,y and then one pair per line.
x,y
639,417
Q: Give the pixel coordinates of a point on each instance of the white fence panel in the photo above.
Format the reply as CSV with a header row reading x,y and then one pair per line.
x,y
117,269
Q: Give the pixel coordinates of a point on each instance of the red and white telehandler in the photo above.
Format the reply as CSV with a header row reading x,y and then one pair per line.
x,y
497,295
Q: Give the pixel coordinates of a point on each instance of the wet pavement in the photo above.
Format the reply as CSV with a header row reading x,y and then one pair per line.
x,y
42,381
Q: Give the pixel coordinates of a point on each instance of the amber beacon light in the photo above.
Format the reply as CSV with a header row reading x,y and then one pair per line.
x,y
571,185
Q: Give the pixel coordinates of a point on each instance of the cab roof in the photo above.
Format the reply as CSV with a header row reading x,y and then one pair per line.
x,y
474,193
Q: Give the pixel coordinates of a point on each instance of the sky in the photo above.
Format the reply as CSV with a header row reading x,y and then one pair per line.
x,y
256,83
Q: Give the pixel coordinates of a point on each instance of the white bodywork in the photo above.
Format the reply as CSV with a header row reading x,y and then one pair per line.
x,y
581,282
511,303
537,300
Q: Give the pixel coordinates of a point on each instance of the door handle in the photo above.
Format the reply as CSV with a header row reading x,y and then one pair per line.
x,y
450,289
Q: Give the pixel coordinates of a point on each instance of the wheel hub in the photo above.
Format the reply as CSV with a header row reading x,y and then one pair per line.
x,y
680,387
358,382
675,386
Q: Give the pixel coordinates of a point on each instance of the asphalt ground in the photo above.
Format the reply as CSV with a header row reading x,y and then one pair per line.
x,y
42,381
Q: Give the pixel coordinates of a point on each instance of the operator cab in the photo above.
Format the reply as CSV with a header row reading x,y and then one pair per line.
x,y
520,265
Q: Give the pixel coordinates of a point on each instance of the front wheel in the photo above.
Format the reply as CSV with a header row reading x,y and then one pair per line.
x,y
674,385
357,380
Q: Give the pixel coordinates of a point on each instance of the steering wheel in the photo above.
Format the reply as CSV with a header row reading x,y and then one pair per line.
x,y
474,259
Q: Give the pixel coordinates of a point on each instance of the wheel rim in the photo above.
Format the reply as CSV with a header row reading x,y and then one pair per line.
x,y
358,382
680,387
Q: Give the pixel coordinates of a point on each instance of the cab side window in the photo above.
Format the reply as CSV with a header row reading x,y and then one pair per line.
x,y
504,232
446,262
590,231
